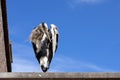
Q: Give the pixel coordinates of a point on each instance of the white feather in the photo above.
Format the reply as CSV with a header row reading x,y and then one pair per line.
x,y
54,33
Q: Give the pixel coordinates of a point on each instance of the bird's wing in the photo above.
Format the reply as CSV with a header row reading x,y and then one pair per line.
x,y
37,37
54,37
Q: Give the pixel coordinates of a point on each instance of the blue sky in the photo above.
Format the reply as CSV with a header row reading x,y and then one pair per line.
x,y
89,34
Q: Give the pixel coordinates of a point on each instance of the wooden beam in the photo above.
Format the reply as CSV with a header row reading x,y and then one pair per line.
x,y
6,35
57,76
3,61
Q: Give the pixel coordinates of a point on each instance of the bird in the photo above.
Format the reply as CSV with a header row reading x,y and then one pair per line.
x,y
44,42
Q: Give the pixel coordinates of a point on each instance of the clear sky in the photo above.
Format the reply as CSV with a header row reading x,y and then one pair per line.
x,y
89,34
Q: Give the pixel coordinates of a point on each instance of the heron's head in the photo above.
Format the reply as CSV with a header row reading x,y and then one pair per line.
x,y
44,63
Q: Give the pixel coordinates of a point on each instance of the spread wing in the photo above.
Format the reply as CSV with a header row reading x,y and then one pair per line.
x,y
44,44
39,39
54,37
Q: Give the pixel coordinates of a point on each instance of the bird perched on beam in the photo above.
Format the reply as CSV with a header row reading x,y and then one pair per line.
x,y
44,43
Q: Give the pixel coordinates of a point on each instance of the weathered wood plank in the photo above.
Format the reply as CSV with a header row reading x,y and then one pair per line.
x,y
3,64
32,75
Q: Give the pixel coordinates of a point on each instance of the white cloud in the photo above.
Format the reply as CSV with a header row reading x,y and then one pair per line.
x,y
24,65
24,61
76,3
88,1
67,64
24,58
